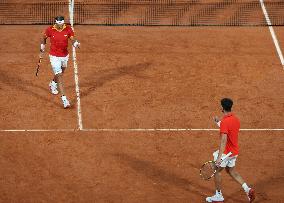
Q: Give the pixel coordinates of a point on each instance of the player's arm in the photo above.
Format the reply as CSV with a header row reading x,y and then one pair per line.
x,y
75,42
217,121
42,45
223,142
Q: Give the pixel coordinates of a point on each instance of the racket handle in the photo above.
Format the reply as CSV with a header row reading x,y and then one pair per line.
x,y
227,155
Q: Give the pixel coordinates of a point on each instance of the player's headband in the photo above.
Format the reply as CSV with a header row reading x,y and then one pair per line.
x,y
59,20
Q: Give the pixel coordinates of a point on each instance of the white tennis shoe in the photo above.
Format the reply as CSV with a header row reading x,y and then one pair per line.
x,y
66,103
53,87
218,197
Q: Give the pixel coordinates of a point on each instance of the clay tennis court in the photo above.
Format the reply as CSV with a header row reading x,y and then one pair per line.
x,y
147,98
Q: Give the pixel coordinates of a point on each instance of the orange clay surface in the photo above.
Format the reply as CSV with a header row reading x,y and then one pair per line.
x,y
137,78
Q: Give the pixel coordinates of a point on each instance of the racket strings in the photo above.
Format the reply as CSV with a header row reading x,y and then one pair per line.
x,y
207,170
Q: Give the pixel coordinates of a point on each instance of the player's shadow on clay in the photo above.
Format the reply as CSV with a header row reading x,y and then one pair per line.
x,y
158,175
100,78
260,187
24,86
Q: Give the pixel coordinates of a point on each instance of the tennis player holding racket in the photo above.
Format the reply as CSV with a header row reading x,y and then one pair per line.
x,y
59,34
229,130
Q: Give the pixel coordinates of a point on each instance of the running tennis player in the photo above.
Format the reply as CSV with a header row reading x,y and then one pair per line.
x,y
229,130
59,34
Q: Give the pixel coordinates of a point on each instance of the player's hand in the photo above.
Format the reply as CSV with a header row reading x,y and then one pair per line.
x,y
76,44
42,48
216,119
218,163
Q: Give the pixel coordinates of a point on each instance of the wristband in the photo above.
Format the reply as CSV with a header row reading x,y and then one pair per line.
x,y
42,47
218,123
76,44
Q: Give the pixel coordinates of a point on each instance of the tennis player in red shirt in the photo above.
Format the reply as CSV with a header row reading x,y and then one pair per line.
x,y
229,130
59,34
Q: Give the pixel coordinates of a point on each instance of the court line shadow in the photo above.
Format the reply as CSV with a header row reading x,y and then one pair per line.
x,y
24,86
158,175
100,78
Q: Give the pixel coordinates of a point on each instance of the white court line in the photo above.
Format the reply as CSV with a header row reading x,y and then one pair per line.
x,y
79,111
272,32
174,129
136,130
39,130
146,129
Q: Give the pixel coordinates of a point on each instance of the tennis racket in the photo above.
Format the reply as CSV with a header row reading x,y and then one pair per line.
x,y
38,64
209,168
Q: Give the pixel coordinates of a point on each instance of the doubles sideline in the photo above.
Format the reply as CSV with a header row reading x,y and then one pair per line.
x,y
273,35
76,77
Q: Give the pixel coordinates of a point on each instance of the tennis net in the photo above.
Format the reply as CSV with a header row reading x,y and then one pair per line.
x,y
147,12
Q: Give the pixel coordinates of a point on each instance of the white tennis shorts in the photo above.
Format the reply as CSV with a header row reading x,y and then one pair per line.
x,y
228,162
57,63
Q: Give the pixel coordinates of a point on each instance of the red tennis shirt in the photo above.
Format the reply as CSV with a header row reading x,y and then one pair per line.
x,y
230,125
59,40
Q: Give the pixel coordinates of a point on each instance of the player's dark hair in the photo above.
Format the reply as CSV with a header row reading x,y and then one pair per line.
x,y
227,104
59,18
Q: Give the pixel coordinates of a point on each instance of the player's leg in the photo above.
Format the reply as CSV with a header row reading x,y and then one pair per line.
x,y
59,80
235,175
238,178
57,63
63,69
53,87
64,61
218,197
218,179
60,86
54,83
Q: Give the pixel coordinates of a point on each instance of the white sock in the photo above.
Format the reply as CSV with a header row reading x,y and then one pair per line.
x,y
63,97
218,192
245,187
